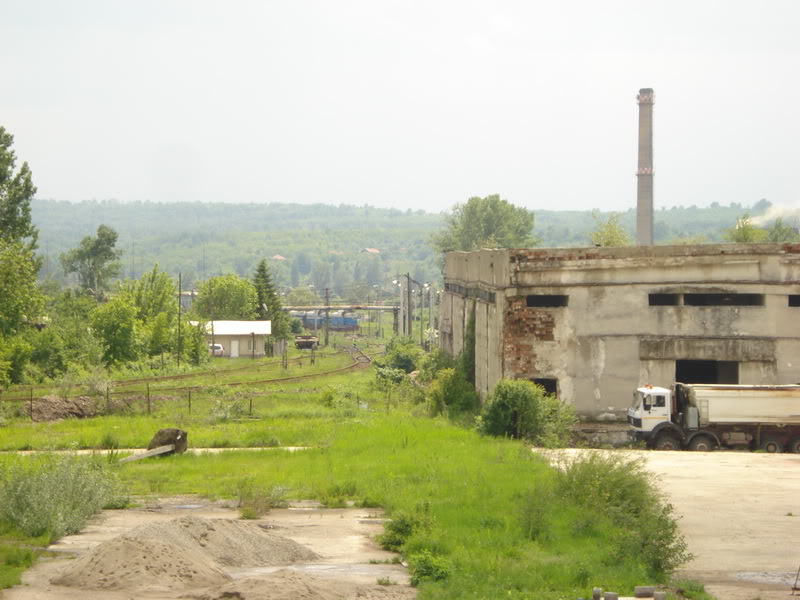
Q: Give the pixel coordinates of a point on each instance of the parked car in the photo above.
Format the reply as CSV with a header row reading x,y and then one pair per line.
x,y
216,349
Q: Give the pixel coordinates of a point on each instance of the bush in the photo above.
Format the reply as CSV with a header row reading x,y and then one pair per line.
x,y
402,353
427,567
521,409
402,526
614,494
55,496
433,362
451,393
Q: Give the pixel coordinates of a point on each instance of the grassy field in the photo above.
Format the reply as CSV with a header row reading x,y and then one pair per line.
x,y
486,512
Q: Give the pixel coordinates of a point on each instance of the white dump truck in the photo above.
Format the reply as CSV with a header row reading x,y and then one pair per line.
x,y
704,417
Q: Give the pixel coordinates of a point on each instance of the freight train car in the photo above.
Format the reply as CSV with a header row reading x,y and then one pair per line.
x,y
339,320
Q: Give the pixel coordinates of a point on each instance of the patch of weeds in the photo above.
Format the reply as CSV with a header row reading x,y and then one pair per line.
x,y
13,561
255,502
427,567
386,581
337,495
692,590
536,513
403,525
395,560
369,502
264,442
109,441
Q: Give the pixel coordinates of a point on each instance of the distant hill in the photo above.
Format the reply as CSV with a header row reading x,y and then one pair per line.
x,y
320,243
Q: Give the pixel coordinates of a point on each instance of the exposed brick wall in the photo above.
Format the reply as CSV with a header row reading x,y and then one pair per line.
x,y
523,327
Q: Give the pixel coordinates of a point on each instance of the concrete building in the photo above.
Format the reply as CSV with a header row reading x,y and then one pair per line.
x,y
592,324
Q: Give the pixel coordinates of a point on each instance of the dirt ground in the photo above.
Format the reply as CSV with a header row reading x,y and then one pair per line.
x,y
740,513
343,537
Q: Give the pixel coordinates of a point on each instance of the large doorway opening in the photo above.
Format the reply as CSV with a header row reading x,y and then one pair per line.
x,y
706,371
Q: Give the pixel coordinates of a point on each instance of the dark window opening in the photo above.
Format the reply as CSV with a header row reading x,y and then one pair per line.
x,y
549,384
723,299
706,371
547,301
664,299
794,300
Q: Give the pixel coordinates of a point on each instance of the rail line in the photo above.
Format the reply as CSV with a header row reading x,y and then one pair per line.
x,y
360,360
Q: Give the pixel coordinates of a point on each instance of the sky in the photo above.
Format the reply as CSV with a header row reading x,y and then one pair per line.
x,y
412,104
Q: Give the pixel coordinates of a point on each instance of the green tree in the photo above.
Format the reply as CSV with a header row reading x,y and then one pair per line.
x,y
152,294
20,298
780,232
302,296
485,222
115,325
95,260
608,232
268,304
745,232
16,192
226,297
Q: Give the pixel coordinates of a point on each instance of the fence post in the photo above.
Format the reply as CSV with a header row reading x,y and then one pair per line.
x,y
31,404
251,405
148,397
108,400
190,401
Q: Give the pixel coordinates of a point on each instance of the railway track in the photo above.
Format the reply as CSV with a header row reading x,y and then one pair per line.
x,y
360,360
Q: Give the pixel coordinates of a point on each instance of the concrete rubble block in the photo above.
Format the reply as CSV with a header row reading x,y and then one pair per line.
x,y
165,437
597,593
644,591
660,596
611,596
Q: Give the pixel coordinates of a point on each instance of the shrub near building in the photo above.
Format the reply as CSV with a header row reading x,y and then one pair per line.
x,y
521,409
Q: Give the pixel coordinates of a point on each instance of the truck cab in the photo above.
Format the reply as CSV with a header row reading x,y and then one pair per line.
x,y
651,406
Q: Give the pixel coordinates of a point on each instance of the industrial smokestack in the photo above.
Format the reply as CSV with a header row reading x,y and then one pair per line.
x,y
644,174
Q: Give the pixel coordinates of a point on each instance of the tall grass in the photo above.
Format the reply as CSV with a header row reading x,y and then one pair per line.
x,y
461,502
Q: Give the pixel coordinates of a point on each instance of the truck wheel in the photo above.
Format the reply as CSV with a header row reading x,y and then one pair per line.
x,y
666,441
771,445
794,446
702,443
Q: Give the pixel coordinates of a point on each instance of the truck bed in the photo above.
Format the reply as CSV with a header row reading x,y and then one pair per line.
x,y
747,404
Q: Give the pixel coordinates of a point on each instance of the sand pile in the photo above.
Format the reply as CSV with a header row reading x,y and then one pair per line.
x,y
292,585
124,564
280,585
229,542
188,552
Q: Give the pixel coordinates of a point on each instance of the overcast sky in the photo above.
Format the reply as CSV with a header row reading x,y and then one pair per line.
x,y
402,104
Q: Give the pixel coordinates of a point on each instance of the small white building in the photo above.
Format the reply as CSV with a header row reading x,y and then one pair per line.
x,y
239,338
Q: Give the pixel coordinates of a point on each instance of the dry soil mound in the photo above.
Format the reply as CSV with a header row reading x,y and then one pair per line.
x,y
125,564
292,585
229,542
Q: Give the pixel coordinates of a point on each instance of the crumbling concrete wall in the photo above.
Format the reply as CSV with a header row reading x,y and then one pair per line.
x,y
609,339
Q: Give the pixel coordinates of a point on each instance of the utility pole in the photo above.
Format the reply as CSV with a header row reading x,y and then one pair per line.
x,y
409,307
327,313
421,317
403,319
180,311
431,297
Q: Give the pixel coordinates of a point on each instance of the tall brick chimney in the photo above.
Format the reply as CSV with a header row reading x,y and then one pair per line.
x,y
644,174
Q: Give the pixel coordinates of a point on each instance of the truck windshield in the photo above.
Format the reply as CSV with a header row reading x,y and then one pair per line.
x,y
637,400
